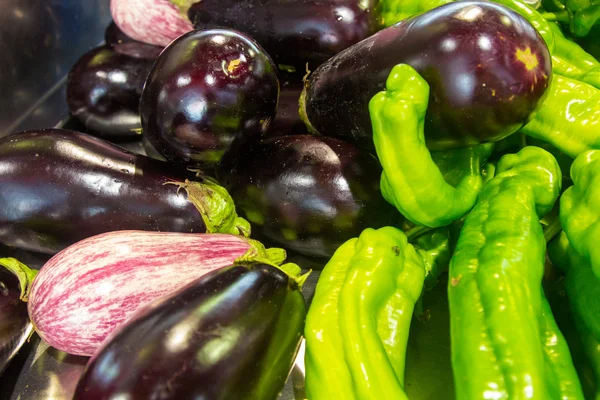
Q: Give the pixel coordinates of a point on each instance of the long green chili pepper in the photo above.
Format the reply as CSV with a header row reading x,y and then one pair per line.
x,y
411,180
358,322
505,343
580,208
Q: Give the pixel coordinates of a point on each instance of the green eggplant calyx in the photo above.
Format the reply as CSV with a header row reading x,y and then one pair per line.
x,y
24,274
273,257
183,6
258,251
215,206
304,115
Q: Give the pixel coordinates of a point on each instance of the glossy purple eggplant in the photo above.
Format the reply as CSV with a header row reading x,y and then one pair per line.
x,y
487,68
205,89
15,326
232,334
294,32
287,120
104,88
59,187
307,193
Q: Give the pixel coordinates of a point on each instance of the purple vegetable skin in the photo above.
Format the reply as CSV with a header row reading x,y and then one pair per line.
x,y
86,291
59,187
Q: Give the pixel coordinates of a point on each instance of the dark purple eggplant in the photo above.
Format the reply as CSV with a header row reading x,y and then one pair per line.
x,y
15,326
287,120
58,187
294,32
487,68
306,193
104,89
232,334
205,89
114,35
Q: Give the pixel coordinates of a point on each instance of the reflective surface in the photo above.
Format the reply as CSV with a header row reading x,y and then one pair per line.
x,y
39,42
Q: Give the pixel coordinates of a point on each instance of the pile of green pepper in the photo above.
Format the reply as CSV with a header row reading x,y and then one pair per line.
x,y
492,215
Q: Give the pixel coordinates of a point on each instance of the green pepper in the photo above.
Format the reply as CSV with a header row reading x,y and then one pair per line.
x,y
579,15
580,283
358,322
411,180
505,343
570,60
580,208
569,118
582,288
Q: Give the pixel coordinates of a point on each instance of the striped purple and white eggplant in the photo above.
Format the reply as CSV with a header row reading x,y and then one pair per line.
x,y
87,290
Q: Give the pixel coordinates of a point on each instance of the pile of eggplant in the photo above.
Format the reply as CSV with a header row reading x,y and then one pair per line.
x,y
168,266
168,263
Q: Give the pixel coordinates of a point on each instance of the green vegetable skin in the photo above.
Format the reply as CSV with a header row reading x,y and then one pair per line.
x,y
580,208
358,322
410,175
505,342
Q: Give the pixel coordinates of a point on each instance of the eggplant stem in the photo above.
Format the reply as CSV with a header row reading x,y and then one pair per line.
x,y
24,274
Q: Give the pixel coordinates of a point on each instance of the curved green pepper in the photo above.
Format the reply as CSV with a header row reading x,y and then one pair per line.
x,y
569,59
580,208
569,118
411,180
505,343
358,322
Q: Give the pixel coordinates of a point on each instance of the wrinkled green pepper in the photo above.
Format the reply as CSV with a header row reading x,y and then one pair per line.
x,y
359,319
582,288
505,343
411,180
580,208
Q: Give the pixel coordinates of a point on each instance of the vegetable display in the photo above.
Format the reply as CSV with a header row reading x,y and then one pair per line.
x,y
60,187
430,168
231,334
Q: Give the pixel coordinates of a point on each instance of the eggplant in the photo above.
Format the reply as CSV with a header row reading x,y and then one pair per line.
x,y
156,22
114,35
487,67
306,193
296,33
232,334
59,187
104,88
287,120
15,326
104,279
205,89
